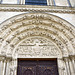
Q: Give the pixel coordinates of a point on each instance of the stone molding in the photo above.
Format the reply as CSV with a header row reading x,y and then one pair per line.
x,y
30,8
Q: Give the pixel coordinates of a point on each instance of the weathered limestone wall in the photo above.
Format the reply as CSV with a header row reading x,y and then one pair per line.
x,y
61,2
65,2
9,2
6,15
68,17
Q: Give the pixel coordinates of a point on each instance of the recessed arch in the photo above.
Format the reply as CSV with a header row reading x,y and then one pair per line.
x,y
49,26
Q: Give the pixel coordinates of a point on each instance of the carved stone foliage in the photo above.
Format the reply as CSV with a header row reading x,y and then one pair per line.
x,y
38,47
21,27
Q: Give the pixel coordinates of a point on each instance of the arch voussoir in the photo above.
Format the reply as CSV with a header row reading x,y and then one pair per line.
x,y
49,26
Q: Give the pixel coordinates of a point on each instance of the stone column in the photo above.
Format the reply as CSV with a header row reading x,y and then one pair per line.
x,y
22,1
51,2
67,65
71,67
61,66
11,71
48,2
1,63
4,67
13,68
8,66
73,61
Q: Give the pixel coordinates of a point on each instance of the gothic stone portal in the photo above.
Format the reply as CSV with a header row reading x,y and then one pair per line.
x,y
37,67
37,35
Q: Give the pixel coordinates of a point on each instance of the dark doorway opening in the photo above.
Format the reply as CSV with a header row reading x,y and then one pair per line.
x,y
37,67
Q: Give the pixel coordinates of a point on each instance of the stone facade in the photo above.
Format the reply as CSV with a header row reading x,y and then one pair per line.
x,y
37,32
49,2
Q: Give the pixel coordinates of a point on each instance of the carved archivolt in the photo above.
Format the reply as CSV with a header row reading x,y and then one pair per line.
x,y
14,32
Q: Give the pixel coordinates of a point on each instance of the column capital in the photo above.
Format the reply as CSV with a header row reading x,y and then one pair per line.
x,y
66,58
72,56
2,58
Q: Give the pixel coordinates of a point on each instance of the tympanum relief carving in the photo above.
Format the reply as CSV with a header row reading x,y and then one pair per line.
x,y
39,47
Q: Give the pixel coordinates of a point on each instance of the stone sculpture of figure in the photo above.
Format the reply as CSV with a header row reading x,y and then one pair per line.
x,y
36,47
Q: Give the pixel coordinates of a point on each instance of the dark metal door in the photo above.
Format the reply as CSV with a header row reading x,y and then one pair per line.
x,y
47,67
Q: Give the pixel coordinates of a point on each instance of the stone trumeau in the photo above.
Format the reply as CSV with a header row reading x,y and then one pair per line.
x,y
37,29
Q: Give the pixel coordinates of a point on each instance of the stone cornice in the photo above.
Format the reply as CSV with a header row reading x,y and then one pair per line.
x,y
31,8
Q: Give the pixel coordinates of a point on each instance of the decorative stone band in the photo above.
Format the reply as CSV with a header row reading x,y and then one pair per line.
x,y
31,8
